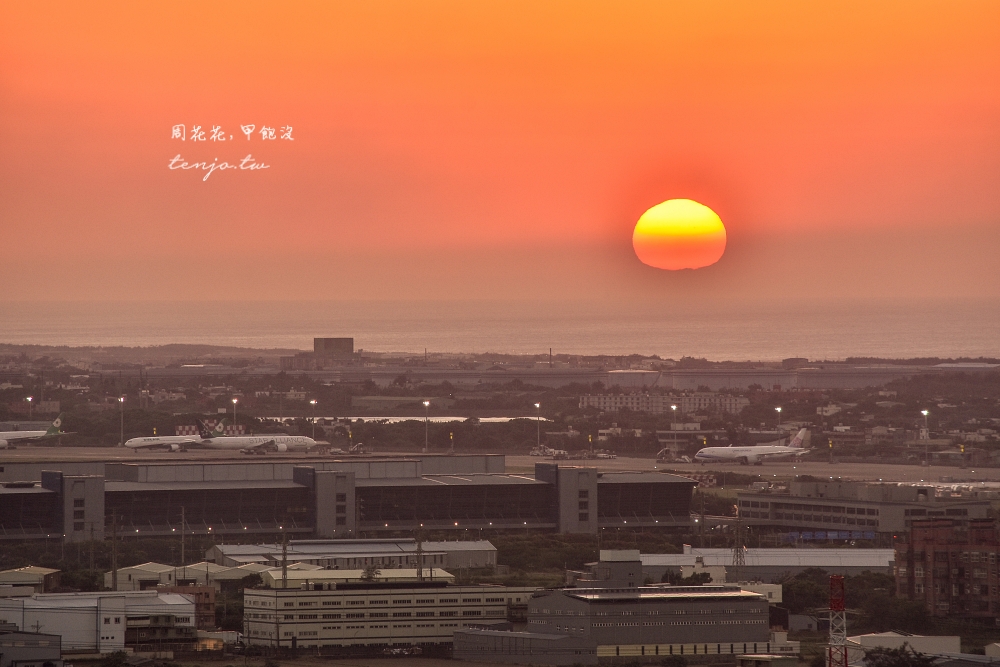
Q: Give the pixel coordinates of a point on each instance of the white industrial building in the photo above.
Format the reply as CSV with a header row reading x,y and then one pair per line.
x,y
40,579
356,554
94,622
660,403
151,575
373,613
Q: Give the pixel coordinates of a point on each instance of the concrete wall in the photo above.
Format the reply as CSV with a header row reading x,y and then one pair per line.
x,y
81,504
575,496
328,485
29,649
549,611
86,625
522,648
32,472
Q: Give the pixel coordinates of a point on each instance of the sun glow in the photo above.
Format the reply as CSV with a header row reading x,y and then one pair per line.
x,y
679,234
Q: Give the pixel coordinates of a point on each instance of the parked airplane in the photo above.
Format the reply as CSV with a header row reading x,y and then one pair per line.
x,y
177,443
754,455
8,438
260,444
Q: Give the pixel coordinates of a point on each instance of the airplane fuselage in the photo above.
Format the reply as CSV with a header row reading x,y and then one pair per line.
x,y
161,441
280,442
14,436
746,455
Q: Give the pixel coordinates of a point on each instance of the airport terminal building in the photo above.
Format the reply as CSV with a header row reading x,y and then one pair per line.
x,y
330,498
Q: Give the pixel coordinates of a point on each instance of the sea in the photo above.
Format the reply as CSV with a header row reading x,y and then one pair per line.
x,y
764,330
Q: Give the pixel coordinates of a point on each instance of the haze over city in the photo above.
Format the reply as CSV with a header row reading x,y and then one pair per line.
x,y
500,332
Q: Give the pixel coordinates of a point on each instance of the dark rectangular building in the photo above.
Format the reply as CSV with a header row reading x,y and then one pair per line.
x,y
333,347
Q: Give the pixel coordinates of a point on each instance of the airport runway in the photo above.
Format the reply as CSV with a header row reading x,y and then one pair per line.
x,y
526,464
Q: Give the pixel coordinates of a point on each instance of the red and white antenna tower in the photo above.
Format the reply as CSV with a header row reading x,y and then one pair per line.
x,y
838,623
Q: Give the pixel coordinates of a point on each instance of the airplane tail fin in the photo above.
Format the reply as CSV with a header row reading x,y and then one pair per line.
x,y
220,428
56,427
203,430
797,440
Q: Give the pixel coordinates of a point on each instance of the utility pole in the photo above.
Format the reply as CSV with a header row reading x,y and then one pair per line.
x,y
427,405
114,551
284,559
183,562
739,549
702,527
420,557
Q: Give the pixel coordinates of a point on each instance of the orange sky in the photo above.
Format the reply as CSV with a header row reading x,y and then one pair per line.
x,y
458,149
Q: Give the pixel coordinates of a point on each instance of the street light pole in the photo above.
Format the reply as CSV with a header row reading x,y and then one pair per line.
x,y
29,399
427,405
235,401
313,403
778,410
927,440
673,427
121,440
538,425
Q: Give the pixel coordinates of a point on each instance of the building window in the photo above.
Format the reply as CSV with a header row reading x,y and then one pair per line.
x,y
584,504
78,502
341,497
584,516
341,509
584,493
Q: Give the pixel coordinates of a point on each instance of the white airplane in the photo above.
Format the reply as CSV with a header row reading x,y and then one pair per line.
x,y
259,444
248,444
754,455
177,443
8,438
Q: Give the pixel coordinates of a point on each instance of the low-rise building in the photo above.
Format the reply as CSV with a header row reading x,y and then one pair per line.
x,y
29,649
41,579
583,625
204,603
373,613
699,401
881,510
95,622
358,554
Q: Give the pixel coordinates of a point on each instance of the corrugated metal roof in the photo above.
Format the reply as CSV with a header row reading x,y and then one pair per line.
x,y
627,477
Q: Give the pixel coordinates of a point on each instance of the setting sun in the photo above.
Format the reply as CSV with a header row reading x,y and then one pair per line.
x,y
679,234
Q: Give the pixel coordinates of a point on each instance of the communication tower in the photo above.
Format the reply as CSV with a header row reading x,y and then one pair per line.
x,y
838,623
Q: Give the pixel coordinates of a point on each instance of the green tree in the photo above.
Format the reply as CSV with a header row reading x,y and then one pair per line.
x,y
904,656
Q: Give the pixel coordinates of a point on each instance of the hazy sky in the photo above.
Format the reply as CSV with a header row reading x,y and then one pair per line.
x,y
498,150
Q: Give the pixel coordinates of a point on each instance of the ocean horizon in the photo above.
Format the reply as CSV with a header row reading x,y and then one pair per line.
x,y
718,331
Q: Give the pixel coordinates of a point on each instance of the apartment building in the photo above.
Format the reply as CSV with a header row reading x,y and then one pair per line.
x,y
950,566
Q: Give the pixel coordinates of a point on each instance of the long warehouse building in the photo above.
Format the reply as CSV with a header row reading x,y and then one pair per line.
x,y
331,498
